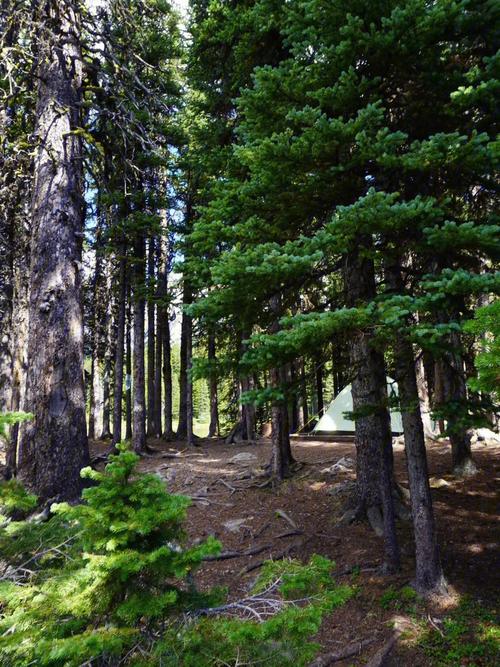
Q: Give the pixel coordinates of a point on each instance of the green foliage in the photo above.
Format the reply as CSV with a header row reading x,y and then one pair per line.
x,y
398,599
110,580
486,326
331,148
10,418
15,498
470,635
283,639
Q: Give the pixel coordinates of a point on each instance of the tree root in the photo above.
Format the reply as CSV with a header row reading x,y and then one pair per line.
x,y
350,651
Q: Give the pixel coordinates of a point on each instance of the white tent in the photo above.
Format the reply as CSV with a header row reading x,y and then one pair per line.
x,y
334,421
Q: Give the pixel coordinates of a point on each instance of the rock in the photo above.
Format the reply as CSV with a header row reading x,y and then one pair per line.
x,y
234,525
437,483
243,457
398,440
342,487
345,464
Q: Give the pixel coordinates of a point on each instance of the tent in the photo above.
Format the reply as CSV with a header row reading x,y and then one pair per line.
x,y
334,421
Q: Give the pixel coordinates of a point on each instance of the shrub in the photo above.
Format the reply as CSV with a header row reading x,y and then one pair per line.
x,y
112,584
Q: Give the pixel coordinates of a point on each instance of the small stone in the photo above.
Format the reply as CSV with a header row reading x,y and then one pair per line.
x,y
345,464
438,483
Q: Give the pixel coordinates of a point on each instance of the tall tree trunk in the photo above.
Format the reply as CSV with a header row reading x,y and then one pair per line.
x,y
189,382
294,400
6,293
167,378
160,323
109,342
213,429
183,373
429,575
303,406
281,453
161,294
119,350
106,394
163,334
454,394
91,427
15,194
139,399
128,371
20,328
374,476
53,446
151,426
320,403
423,394
248,409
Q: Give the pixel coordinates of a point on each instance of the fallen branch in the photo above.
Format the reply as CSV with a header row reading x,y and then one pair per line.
x,y
288,519
227,485
261,530
327,659
283,554
289,533
226,555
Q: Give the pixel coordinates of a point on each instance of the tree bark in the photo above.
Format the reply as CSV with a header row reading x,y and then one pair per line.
x,y
424,398
183,373
213,429
128,371
20,326
280,441
91,427
167,378
294,400
454,395
139,399
429,575
119,350
189,382
303,406
281,453
320,403
374,475
160,323
53,446
151,426
6,294
106,390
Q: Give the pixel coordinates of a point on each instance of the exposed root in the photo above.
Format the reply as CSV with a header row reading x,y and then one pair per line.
x,y
350,651
226,555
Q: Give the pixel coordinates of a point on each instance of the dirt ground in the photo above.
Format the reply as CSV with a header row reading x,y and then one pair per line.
x,y
466,513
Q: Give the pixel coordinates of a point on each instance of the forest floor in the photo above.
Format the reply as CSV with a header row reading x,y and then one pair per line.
x,y
229,504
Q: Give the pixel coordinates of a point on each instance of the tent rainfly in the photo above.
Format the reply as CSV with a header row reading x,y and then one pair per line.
x,y
334,420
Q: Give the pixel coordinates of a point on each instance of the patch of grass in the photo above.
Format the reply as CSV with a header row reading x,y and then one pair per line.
x,y
470,636
398,599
